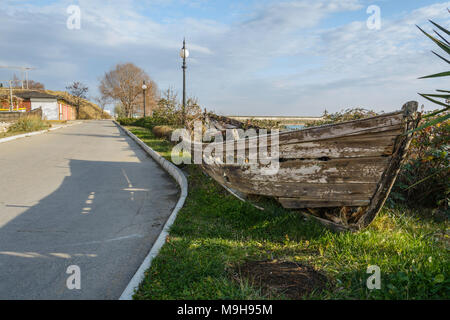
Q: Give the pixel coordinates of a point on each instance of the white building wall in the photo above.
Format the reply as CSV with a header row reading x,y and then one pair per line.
x,y
50,108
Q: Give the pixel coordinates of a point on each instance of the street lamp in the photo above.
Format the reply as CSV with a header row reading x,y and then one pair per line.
x,y
144,87
184,53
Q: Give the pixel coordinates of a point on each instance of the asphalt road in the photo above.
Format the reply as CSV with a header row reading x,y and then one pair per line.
x,y
83,196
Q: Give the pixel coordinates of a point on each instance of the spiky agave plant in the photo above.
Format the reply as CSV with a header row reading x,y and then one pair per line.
x,y
443,97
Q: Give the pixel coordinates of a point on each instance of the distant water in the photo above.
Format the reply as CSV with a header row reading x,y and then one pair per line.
x,y
295,127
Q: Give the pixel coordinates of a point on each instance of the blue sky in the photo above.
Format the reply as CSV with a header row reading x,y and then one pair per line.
x,y
259,57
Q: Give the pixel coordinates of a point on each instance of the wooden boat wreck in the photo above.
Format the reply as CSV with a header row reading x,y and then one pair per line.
x,y
340,174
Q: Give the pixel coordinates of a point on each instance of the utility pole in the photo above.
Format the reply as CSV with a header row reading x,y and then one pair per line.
x,y
10,95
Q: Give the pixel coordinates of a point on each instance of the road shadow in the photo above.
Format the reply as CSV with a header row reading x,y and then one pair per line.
x,y
103,217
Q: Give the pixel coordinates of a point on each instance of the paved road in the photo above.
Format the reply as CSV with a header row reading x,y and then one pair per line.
x,y
85,195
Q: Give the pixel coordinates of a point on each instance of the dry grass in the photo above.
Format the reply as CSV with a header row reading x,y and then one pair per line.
x,y
28,124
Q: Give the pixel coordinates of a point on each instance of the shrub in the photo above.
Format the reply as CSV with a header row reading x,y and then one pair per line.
x,y
170,112
424,179
126,121
162,131
28,124
147,122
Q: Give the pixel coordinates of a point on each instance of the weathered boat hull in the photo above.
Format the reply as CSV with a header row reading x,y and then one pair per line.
x,y
351,166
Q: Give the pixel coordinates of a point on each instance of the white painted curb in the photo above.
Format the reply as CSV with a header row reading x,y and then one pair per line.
x,y
29,134
178,175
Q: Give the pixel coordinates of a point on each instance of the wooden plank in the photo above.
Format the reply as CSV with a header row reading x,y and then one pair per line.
x,y
365,126
365,145
301,203
295,137
391,123
350,170
329,191
339,148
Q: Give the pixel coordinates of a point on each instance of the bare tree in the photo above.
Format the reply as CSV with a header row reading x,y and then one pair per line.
x,y
19,83
124,84
79,91
16,82
35,85
102,102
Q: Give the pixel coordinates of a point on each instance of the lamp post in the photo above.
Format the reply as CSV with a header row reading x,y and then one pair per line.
x,y
144,87
184,53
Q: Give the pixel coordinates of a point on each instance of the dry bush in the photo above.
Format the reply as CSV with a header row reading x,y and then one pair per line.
x,y
162,131
29,124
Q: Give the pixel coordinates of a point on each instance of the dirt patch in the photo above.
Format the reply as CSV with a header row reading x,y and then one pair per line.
x,y
291,279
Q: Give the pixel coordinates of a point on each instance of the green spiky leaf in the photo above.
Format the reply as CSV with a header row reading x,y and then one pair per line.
x,y
435,101
441,74
440,28
448,61
443,39
443,96
442,45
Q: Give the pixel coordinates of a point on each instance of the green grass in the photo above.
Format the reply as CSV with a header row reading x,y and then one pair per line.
x,y
160,145
215,232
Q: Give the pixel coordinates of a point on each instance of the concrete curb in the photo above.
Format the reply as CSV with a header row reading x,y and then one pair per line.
x,y
35,133
180,178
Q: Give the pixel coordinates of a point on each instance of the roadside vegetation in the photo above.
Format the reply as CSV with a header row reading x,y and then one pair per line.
x,y
159,144
24,125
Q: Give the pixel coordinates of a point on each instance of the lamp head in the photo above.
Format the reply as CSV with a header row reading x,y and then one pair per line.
x,y
184,53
